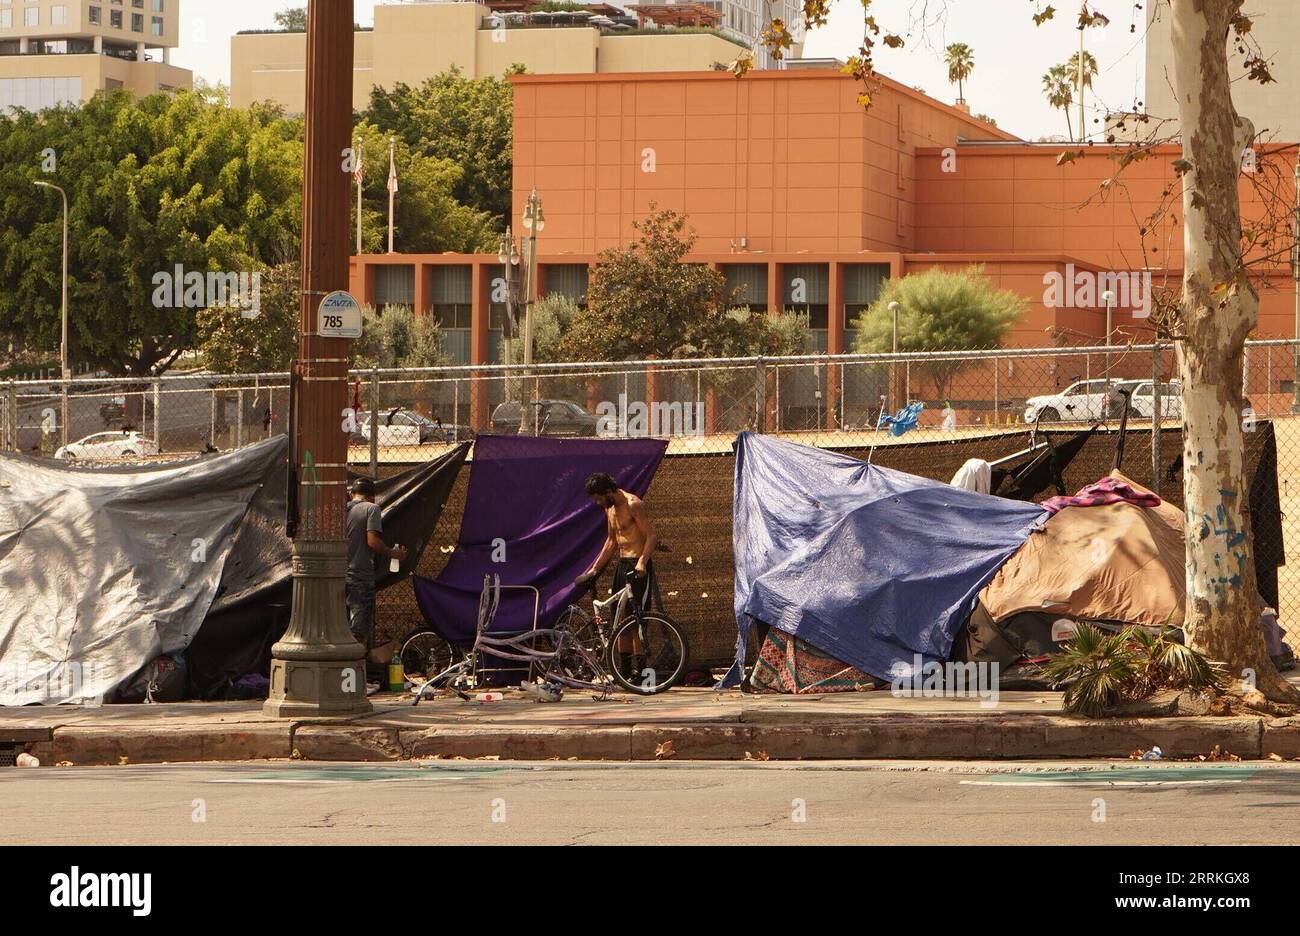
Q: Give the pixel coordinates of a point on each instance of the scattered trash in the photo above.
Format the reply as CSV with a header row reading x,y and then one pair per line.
x,y
26,760
664,750
1217,754
1276,757
64,763
123,760
1154,754
760,756
690,560
489,697
542,692
295,754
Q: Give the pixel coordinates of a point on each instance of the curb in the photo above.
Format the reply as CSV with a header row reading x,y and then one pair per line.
x,y
882,737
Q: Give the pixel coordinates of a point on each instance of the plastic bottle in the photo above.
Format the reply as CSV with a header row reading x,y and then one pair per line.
x,y
396,673
393,564
489,697
27,760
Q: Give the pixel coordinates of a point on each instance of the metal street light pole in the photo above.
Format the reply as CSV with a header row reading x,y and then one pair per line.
x,y
63,343
534,223
893,366
317,668
1108,297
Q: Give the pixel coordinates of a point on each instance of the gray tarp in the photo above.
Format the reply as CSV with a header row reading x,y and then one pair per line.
x,y
102,570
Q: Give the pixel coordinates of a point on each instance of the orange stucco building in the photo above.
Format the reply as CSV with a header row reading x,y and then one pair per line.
x,y
805,200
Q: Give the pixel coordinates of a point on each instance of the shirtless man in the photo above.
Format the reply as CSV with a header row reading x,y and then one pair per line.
x,y
629,534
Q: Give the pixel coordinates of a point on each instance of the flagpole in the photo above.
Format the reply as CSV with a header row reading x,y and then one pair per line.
x,y
392,189
361,178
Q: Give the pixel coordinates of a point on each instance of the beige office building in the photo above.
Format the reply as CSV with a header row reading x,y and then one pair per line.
x,y
411,42
1273,107
63,51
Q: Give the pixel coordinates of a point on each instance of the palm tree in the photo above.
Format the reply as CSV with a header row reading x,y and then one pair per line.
x,y
1089,69
1058,87
960,59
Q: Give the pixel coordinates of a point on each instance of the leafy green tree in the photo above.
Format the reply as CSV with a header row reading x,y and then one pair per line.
x,y
553,315
168,180
293,19
467,121
396,337
645,301
940,311
427,218
231,343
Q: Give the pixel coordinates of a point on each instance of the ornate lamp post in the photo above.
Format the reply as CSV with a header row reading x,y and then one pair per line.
x,y
317,668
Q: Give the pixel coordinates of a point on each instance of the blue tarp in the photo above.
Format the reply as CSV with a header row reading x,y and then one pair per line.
x,y
870,565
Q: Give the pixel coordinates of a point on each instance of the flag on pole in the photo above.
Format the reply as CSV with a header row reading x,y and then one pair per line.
x,y
360,171
392,173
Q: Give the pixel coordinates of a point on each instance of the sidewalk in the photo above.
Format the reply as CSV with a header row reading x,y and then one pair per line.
x,y
684,724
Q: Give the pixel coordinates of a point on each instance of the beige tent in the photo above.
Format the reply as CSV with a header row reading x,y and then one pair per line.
x,y
1117,562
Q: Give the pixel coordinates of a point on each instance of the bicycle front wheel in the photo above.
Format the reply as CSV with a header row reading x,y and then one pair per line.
x,y
648,655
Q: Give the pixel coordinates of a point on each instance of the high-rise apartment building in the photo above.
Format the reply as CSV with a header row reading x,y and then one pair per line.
x,y
63,51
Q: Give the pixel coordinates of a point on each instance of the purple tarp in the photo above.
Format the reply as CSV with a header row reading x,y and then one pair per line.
x,y
526,502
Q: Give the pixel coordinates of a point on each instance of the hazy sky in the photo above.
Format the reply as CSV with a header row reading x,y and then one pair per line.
x,y
1011,54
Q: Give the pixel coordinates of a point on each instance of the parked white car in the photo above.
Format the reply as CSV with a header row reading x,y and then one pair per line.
x,y
1082,401
1144,404
109,445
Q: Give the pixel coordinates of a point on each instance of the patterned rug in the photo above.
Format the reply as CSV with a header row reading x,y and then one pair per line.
x,y
788,664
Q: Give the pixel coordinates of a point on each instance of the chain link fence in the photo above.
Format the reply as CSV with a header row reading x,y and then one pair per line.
x,y
954,405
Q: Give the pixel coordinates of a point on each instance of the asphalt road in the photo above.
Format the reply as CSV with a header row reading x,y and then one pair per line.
x,y
435,802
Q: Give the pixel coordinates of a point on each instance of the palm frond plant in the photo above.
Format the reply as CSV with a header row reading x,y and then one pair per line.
x,y
1101,671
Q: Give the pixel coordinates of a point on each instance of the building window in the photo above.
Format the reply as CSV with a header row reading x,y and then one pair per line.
x,y
6,19
568,279
32,16
452,296
156,26
115,18
394,285
137,23
58,15
138,4
806,290
35,94
96,17
747,282
863,284
158,6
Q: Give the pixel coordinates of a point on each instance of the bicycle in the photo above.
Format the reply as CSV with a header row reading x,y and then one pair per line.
x,y
645,652
558,654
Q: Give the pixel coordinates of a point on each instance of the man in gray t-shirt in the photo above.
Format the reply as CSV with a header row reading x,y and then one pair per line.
x,y
365,528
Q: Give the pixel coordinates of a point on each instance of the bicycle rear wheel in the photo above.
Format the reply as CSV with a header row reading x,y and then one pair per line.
x,y
649,655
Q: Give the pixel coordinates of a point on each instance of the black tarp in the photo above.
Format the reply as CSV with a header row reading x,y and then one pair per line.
x,y
251,610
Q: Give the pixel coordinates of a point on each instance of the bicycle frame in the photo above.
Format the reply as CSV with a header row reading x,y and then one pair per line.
x,y
516,647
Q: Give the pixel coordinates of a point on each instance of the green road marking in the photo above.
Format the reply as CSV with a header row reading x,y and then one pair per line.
x,y
1124,776
349,774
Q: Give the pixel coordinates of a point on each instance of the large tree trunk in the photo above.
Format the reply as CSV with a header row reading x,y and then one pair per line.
x,y
1220,308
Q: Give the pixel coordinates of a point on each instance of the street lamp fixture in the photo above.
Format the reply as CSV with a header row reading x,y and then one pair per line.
x,y
63,343
1108,297
894,308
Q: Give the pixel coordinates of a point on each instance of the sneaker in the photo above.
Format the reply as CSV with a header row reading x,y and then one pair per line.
x,y
372,688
